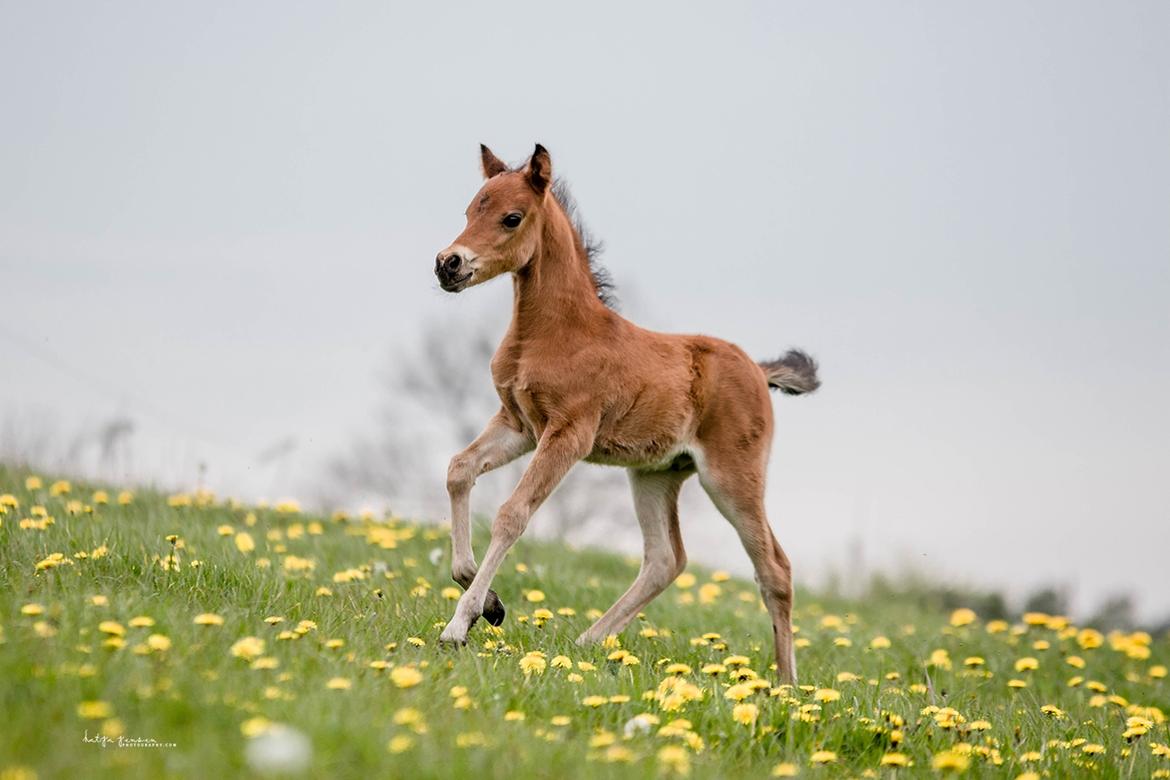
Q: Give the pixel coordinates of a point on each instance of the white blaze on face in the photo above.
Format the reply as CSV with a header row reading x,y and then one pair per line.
x,y
467,253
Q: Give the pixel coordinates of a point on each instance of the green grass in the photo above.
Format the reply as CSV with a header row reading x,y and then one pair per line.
x,y
203,699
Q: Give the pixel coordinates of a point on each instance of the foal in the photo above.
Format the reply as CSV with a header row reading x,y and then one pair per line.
x,y
578,382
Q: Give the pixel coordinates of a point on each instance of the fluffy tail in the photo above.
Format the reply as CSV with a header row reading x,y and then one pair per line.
x,y
793,374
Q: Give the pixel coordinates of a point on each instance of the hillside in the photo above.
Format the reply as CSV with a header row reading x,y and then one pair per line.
x,y
230,633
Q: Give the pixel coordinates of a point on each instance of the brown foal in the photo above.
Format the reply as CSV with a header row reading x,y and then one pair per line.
x,y
578,382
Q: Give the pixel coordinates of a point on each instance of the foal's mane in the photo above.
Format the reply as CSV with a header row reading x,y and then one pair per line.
x,y
602,280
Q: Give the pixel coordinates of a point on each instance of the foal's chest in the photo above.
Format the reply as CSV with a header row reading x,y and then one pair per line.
x,y
524,406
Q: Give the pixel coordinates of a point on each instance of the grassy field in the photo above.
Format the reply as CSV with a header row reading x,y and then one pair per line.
x,y
230,634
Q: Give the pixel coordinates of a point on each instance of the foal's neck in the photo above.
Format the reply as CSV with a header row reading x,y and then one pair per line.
x,y
555,294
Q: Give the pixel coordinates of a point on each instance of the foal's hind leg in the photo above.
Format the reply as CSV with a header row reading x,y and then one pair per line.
x,y
663,557
737,489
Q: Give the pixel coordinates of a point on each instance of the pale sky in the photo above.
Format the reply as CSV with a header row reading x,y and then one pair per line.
x,y
220,219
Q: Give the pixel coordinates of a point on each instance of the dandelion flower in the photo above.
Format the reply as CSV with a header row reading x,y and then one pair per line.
x,y
745,714
94,710
533,664
895,759
826,695
248,648
823,757
339,684
674,758
962,617
158,643
738,692
950,761
405,676
400,743
208,619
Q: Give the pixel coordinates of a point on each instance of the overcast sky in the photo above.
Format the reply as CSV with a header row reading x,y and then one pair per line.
x,y
221,218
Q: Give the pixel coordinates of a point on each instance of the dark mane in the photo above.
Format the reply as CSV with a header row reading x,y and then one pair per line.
x,y
602,280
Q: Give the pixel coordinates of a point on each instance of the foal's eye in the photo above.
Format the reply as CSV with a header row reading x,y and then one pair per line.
x,y
512,220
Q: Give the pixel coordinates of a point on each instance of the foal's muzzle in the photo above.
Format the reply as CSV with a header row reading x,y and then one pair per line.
x,y
452,270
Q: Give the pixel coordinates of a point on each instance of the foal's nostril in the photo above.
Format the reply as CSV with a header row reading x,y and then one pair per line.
x,y
452,263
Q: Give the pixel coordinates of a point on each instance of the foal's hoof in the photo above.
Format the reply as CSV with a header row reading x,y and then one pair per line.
x,y
493,609
452,640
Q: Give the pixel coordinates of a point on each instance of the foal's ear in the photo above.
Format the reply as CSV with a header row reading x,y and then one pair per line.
x,y
491,164
539,170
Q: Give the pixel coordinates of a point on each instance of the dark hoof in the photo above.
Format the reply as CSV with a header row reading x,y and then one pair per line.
x,y
493,610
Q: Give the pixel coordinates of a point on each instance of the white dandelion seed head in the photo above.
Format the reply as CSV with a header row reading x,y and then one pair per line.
x,y
279,749
636,725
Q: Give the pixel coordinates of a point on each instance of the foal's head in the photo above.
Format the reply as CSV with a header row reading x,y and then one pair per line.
x,y
503,223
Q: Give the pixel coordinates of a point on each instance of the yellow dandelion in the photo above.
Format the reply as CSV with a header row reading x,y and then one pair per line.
x,y
400,743
158,642
745,714
950,761
248,648
94,710
962,617
895,759
405,676
244,542
339,684
675,759
823,757
208,619
826,695
533,664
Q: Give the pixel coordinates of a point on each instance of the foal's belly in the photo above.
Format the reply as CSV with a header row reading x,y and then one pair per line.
x,y
633,451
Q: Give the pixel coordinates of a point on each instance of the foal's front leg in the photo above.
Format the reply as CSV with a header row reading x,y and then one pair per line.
x,y
498,445
558,450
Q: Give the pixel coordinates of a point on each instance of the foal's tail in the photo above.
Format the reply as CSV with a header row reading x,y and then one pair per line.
x,y
793,374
